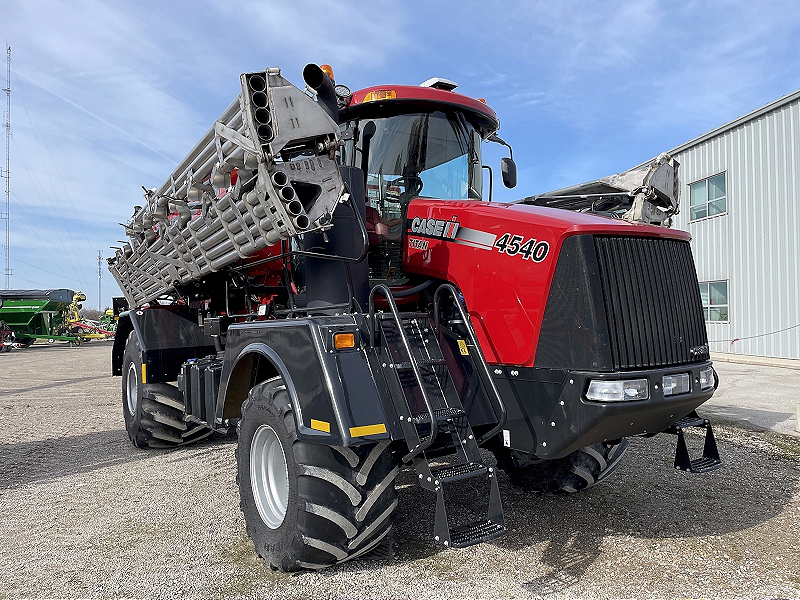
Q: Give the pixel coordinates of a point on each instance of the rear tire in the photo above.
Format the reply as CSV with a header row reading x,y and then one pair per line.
x,y
154,413
578,471
309,506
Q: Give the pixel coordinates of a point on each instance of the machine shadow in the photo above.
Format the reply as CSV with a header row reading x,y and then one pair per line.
x,y
645,499
40,461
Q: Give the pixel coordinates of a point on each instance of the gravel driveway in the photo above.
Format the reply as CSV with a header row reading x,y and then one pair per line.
x,y
86,514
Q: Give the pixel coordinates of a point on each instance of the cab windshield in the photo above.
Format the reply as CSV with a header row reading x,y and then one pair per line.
x,y
429,155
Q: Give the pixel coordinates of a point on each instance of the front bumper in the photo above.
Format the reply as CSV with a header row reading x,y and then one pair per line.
x,y
550,417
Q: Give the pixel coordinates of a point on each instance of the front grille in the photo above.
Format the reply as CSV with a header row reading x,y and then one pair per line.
x,y
652,301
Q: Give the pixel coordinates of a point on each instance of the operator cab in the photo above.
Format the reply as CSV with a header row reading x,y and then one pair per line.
x,y
411,142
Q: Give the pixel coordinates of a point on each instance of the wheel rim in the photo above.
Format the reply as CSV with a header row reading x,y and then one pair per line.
x,y
132,389
269,476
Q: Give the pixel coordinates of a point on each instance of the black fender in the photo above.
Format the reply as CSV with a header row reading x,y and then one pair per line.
x,y
334,396
254,364
168,336
124,328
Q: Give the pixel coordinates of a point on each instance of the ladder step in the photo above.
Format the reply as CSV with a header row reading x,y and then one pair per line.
x,y
422,362
431,362
408,316
475,533
710,459
704,464
441,414
691,421
458,471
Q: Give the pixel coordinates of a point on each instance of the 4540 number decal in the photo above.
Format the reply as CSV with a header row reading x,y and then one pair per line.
x,y
530,250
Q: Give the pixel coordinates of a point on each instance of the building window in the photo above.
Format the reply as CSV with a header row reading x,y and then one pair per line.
x,y
708,197
715,300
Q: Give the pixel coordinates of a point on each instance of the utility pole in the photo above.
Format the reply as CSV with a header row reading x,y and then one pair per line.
x,y
7,172
99,281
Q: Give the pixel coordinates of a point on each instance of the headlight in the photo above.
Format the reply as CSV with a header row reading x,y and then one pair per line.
x,y
675,384
707,378
618,391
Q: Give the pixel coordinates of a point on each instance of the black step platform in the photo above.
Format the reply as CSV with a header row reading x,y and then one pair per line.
x,y
710,460
405,316
442,414
475,533
458,471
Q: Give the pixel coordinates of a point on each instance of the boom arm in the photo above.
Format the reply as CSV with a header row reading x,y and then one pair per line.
x,y
264,172
647,194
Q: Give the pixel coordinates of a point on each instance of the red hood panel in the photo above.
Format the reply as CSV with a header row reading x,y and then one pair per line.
x,y
502,257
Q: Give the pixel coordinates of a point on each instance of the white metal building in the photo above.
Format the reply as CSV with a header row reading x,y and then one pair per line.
x,y
741,203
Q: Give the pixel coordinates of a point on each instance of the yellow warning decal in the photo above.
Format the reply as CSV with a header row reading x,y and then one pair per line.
x,y
144,373
462,345
321,425
367,430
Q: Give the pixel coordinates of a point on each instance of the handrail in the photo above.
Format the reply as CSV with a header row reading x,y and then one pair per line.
x,y
481,359
383,289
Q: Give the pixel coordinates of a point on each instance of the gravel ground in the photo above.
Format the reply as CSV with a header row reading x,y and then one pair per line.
x,y
83,513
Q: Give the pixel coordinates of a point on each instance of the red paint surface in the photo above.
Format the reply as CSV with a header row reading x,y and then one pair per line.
x,y
414,92
506,295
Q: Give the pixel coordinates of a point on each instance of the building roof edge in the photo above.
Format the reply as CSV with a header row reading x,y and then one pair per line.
x,y
754,114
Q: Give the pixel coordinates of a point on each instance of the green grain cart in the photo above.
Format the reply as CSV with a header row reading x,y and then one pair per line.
x,y
37,314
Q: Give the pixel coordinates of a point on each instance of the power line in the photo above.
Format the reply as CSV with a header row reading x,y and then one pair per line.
x,y
41,269
750,337
35,126
36,185
29,281
102,120
44,244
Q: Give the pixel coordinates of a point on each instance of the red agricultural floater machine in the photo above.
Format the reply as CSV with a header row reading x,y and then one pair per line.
x,y
323,273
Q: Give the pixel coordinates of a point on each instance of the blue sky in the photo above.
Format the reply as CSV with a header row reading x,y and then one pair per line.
x,y
109,96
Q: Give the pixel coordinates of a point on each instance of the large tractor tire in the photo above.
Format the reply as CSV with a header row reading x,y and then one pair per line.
x,y
154,413
309,506
578,471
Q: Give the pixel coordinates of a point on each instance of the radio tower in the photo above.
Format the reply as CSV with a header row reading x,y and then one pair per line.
x,y
7,172
100,281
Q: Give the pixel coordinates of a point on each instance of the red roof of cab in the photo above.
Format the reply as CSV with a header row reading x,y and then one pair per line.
x,y
427,94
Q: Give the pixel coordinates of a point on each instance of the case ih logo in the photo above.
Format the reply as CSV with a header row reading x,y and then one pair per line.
x,y
699,350
435,227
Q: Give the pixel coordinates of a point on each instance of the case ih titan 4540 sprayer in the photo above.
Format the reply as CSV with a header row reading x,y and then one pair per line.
x,y
324,274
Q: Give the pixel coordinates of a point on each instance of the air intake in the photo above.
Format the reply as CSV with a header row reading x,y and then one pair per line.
x,y
622,303
653,307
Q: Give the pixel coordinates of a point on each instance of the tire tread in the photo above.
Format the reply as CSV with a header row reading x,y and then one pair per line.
x,y
578,471
349,487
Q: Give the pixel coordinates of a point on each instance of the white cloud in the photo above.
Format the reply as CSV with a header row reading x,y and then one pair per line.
x,y
119,91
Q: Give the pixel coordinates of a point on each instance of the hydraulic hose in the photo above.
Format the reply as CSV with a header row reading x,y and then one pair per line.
x,y
414,290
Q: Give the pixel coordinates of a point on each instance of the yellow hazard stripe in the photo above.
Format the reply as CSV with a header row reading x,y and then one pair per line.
x,y
367,430
321,425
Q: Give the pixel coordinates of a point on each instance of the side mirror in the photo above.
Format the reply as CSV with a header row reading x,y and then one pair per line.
x,y
509,169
